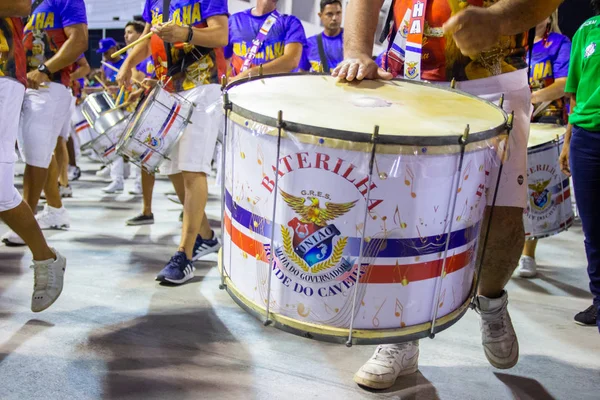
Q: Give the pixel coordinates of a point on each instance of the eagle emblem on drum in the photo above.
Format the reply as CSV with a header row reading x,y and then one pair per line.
x,y
154,142
540,195
312,247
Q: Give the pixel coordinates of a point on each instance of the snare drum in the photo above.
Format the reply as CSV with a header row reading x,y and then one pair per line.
x,y
95,105
82,127
105,145
374,235
549,210
157,125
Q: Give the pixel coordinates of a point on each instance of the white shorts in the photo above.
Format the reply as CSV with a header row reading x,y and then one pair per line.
x,y
195,150
11,100
42,120
512,191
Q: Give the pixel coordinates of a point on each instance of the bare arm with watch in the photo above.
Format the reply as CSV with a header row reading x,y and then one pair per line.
x,y
75,45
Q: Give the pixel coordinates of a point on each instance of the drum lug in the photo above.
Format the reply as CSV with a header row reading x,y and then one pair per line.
x,y
509,122
501,102
465,136
222,286
453,84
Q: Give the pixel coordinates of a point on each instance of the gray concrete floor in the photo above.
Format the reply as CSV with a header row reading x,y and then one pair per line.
x,y
116,333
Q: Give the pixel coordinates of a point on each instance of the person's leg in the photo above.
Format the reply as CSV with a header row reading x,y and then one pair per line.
x,y
34,181
529,248
117,170
148,181
71,152
585,169
61,154
51,188
194,203
178,185
21,220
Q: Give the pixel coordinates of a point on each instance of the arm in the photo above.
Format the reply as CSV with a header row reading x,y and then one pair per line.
x,y
76,44
359,33
477,29
287,62
550,93
15,8
215,35
83,70
563,159
138,54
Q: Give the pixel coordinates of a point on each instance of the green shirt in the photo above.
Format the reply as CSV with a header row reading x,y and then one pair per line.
x,y
584,76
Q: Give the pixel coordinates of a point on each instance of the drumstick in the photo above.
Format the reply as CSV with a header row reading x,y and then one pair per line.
x,y
101,82
541,108
121,92
107,65
140,40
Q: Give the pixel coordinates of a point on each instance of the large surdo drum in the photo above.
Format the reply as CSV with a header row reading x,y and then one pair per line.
x,y
330,229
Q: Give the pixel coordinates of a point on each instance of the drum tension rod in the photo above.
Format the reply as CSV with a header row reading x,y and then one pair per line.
x,y
374,141
227,108
280,127
501,102
453,84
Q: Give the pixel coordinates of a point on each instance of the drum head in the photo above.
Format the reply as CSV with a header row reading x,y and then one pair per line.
x,y
544,133
406,112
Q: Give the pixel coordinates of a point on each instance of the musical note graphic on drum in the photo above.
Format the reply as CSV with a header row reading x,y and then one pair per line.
x,y
302,311
382,175
423,238
375,320
465,176
398,219
410,182
442,297
464,210
399,313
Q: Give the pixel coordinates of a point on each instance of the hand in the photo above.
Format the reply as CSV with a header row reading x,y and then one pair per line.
x,y
359,68
35,79
149,83
475,29
563,160
534,98
171,33
124,75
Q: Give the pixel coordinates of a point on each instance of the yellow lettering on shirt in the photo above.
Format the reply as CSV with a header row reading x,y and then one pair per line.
x,y
547,69
237,49
156,17
269,52
187,15
279,47
49,21
538,72
196,14
39,20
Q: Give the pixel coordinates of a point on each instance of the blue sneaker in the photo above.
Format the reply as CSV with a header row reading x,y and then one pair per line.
x,y
178,270
203,247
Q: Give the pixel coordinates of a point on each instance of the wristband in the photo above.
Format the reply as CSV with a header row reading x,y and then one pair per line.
x,y
190,34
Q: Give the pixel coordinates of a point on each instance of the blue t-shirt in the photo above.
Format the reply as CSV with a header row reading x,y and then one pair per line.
x,y
146,67
243,29
45,34
109,73
195,65
549,61
333,46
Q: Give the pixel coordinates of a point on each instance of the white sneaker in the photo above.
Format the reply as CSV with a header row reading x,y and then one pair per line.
x,y
497,333
137,188
527,267
53,218
104,172
388,363
74,173
11,239
65,191
48,281
115,186
126,170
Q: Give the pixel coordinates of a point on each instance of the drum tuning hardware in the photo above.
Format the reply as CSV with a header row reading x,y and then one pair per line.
x,y
465,136
453,84
222,286
223,81
501,102
509,122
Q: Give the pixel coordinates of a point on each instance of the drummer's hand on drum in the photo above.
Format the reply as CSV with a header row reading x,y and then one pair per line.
x,y
474,29
171,33
359,68
124,76
563,161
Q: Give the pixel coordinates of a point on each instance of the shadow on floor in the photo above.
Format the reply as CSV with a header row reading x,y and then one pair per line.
x,y
30,329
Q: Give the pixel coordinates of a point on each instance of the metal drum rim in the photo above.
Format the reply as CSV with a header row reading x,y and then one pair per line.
x,y
354,136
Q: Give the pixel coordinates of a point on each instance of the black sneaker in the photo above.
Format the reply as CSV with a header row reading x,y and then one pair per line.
x,y
203,247
141,220
178,270
587,317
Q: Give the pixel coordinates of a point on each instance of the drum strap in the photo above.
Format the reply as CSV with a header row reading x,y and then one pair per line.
x,y
414,41
260,39
324,62
165,18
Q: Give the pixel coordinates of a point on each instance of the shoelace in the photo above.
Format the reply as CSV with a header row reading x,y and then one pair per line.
x,y
593,308
494,323
384,352
179,259
41,277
